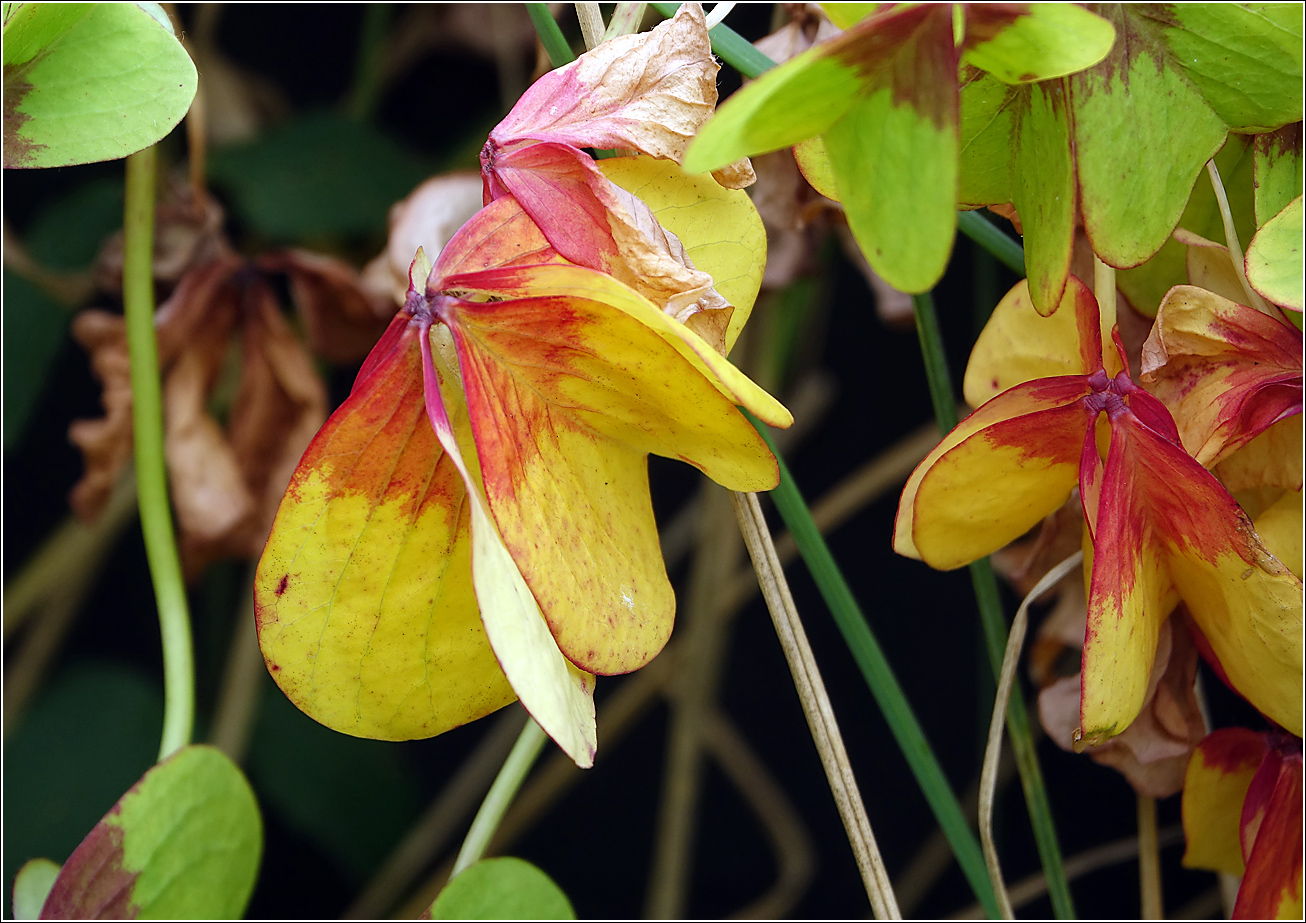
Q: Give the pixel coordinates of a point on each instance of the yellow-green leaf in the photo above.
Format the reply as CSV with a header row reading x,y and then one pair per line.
x,y
1274,258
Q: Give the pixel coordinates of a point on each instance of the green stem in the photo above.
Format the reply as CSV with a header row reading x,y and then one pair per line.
x,y
995,632
879,676
1007,251
500,795
151,475
369,72
555,43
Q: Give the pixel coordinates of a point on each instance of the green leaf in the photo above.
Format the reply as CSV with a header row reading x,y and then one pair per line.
x,y
984,168
506,888
34,334
1142,136
897,178
353,797
846,15
32,886
1050,40
787,104
1147,284
89,82
183,843
1043,189
1274,259
320,175
84,741
1245,59
1278,170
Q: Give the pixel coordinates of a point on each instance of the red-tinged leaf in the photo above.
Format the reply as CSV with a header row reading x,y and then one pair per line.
x,y
567,396
366,613
1277,167
1219,773
1001,470
1019,345
1227,372
183,843
500,234
649,91
1165,523
1271,837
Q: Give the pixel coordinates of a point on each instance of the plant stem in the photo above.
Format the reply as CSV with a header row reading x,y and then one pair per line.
x,y
1007,251
510,777
369,72
151,473
816,705
591,23
993,752
880,678
995,631
546,27
1149,859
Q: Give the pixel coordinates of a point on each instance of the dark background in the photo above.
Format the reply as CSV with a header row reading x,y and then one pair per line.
x,y
334,806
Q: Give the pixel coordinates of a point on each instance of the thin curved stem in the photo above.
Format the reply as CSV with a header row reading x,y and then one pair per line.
x,y
993,752
546,27
816,706
1149,860
151,472
510,777
994,626
1231,240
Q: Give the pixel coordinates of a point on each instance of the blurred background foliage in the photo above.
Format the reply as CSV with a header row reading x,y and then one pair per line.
x,y
319,118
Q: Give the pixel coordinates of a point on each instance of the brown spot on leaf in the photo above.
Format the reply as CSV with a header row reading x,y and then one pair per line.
x,y
93,885
281,587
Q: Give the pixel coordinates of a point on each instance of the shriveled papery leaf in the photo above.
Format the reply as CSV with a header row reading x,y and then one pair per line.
x,y
1226,371
1278,166
1153,752
1050,40
649,91
720,229
343,318
183,843
367,618
1274,258
1219,773
505,888
559,697
570,385
106,443
32,886
89,82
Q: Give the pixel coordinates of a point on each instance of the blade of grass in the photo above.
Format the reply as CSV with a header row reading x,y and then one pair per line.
x,y
1007,251
151,473
555,43
995,631
879,676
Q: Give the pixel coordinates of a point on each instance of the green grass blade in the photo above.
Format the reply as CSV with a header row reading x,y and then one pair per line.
x,y
879,676
1008,252
995,632
555,43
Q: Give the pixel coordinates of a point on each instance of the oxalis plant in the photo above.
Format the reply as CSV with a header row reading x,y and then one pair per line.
x,y
473,524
